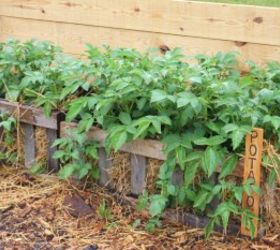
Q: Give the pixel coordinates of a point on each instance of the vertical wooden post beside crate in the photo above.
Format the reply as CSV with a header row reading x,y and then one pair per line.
x,y
252,170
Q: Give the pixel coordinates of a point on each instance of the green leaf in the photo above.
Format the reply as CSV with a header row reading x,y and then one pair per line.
x,y
211,141
125,118
67,171
209,228
75,109
201,200
118,140
171,190
230,127
158,95
158,203
58,154
228,166
189,173
193,156
210,161
181,156
237,136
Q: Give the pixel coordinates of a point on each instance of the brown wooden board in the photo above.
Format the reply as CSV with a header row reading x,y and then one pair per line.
x,y
73,37
252,170
259,25
29,115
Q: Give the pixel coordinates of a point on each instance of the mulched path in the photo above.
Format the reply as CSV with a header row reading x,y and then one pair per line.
x,y
42,212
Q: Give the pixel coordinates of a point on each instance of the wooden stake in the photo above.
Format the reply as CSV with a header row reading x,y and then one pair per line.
x,y
252,170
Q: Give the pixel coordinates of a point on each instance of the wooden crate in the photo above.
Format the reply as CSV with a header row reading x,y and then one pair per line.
x,y
30,118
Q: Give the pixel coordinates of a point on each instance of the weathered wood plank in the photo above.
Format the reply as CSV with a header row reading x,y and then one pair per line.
x,y
72,38
147,148
29,115
104,164
52,163
138,174
186,18
29,144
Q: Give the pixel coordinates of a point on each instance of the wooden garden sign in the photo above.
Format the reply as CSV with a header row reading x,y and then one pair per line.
x,y
252,169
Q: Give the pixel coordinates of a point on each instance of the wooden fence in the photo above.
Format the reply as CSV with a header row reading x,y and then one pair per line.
x,y
30,118
196,27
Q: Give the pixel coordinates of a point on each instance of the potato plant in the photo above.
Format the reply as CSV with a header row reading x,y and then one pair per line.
x,y
201,112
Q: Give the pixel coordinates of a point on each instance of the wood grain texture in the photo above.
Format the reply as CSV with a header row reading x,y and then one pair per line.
x,y
28,114
29,144
104,164
147,148
252,170
179,17
72,38
138,174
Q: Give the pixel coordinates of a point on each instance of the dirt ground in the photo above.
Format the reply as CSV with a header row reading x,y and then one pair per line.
x,y
42,212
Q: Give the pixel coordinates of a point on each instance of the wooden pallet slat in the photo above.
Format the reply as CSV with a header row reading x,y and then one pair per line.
x,y
138,174
104,164
29,115
29,144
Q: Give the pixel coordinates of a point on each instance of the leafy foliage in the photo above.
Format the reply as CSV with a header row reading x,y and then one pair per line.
x,y
201,112
7,139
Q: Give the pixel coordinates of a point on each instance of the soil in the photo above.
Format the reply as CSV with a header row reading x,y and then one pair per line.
x,y
43,212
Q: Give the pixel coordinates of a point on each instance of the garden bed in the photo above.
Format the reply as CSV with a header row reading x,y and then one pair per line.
x,y
135,156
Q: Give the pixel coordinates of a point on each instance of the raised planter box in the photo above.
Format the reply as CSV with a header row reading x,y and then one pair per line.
x,y
29,118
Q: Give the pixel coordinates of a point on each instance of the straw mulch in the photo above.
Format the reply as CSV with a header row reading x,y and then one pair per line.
x,y
34,215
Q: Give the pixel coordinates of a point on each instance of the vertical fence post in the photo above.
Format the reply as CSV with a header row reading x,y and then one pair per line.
x,y
29,144
138,173
104,165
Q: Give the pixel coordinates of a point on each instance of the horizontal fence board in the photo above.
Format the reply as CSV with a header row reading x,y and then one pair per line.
x,y
73,38
208,20
148,148
29,115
